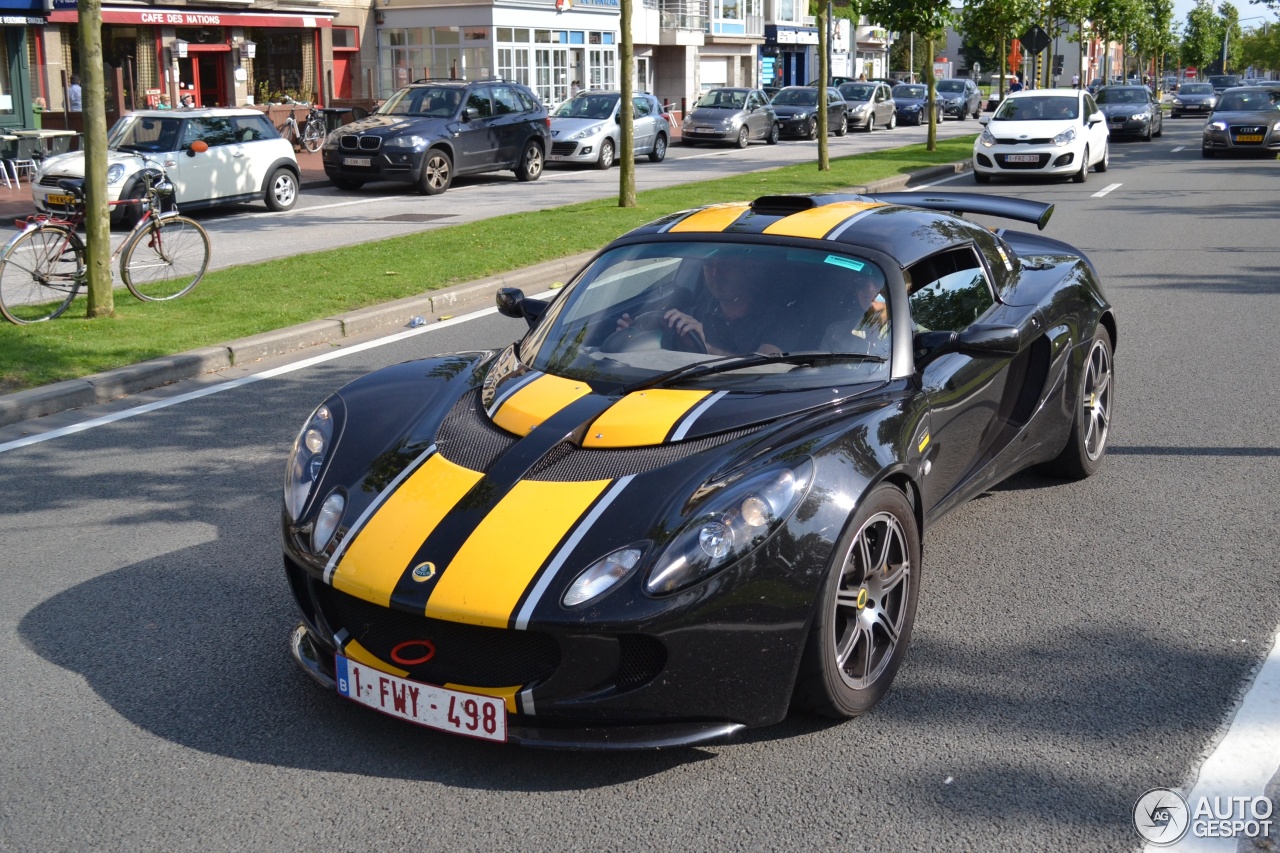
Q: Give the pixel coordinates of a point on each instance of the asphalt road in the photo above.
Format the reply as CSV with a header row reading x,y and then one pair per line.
x,y
1076,643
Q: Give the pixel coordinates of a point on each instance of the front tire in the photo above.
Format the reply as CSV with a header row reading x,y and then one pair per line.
x,y
867,607
1105,162
811,132
843,127
437,173
1087,444
530,165
165,261
744,137
775,133
346,183
659,152
606,155
1082,174
282,190
893,121
1206,153
981,178
871,123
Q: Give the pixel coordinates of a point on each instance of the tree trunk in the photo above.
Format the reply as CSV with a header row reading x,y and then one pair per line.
x,y
933,95
824,79
97,224
1004,65
627,148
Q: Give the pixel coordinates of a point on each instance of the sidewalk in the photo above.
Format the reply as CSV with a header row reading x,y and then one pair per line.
x,y
431,307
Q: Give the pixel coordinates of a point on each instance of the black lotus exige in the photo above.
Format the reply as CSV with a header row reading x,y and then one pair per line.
x,y
693,494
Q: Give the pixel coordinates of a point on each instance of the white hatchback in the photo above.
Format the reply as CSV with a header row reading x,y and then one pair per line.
x,y
1043,132
246,161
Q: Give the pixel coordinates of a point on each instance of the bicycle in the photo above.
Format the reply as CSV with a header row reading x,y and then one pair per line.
x,y
313,131
43,267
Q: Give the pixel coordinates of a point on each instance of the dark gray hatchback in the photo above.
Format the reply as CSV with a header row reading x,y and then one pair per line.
x,y
431,131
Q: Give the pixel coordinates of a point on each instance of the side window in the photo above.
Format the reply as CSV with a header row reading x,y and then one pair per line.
x,y
642,107
948,292
246,129
505,101
214,130
1089,107
264,128
527,99
479,100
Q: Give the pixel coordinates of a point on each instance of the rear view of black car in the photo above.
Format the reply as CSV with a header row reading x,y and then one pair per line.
x,y
433,130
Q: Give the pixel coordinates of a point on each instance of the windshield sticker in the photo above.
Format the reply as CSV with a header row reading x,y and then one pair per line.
x,y
847,263
1004,257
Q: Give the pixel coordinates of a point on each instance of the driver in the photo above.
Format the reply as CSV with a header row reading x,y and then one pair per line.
x,y
732,314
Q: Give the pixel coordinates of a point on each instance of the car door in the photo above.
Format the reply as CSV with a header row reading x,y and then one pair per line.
x,y
508,121
644,126
755,117
210,174
1096,132
950,291
254,136
883,105
477,144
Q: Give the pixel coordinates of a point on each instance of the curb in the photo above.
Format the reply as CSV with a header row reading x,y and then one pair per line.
x,y
432,307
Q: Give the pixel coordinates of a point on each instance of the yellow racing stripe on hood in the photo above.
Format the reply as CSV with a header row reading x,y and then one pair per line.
x,y
642,418
714,219
506,694
537,401
384,547
484,582
816,223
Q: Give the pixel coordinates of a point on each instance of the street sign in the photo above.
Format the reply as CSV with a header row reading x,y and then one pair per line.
x,y
1035,39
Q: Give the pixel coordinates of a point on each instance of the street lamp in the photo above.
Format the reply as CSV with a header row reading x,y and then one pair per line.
x,y
1226,34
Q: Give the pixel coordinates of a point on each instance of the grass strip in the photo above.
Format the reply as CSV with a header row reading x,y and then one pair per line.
x,y
246,300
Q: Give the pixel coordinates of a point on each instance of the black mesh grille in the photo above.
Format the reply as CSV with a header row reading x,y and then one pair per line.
x,y
349,142
468,438
640,659
563,148
370,143
469,655
569,464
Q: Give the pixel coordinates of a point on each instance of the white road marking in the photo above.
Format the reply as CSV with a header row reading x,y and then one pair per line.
x,y
1179,148
1246,758
1100,193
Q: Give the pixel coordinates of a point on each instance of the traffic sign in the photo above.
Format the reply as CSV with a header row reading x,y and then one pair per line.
x,y
1034,39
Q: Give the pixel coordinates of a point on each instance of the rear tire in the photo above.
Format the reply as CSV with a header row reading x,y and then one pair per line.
x,y
40,274
1087,444
165,261
437,173
865,611
530,166
282,190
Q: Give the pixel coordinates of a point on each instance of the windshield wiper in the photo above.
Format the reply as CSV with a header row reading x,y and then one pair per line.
x,y
727,363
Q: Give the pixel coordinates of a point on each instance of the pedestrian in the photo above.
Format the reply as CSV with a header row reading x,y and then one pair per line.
x,y
163,103
574,88
1016,85
74,95
1075,81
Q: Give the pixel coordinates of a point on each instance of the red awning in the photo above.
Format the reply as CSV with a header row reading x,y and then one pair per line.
x,y
170,18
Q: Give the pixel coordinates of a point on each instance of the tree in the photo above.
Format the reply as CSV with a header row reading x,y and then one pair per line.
x,y
928,18
1261,49
626,138
97,223
1229,36
1201,42
993,25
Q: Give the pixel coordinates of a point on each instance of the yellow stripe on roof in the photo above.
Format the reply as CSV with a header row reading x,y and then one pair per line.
x,y
642,418
484,582
712,219
537,401
818,222
384,547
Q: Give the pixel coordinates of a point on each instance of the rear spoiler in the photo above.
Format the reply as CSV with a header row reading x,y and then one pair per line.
x,y
1022,210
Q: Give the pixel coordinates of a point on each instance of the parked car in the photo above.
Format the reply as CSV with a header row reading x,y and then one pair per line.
x,y
870,104
797,110
246,161
1245,119
612,538
732,115
910,101
586,129
1194,98
959,97
1042,132
428,133
1131,110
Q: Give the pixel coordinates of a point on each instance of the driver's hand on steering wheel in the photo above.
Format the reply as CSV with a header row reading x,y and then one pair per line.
x,y
683,324
624,322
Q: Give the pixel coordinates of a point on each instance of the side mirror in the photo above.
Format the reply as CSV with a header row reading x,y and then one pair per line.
x,y
993,341
984,120
197,147
1097,117
513,303
470,114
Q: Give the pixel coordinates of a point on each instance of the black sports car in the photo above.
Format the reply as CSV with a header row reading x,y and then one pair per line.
x,y
692,496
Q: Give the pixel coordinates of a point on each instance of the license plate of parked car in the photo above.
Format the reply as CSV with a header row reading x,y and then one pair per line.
x,y
61,199
355,161
433,707
1249,137
1023,158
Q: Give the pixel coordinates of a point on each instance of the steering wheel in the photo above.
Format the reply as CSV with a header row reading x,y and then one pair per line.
x,y
646,332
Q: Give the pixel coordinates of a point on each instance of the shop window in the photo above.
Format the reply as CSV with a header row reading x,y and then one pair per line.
x,y
475,34
346,38
445,35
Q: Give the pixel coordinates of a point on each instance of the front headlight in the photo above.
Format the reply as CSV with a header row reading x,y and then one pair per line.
x,y
1177,102
912,108
602,575
114,173
687,124
585,133
801,116
1140,116
1066,137
310,451
729,526
410,141
1276,126
860,108
1218,125
987,139
327,520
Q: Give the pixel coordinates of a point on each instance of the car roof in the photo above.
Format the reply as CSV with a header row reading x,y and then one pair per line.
x,y
197,111
1030,93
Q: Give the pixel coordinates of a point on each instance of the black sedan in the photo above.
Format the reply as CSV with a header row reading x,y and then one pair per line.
x,y
797,110
692,496
1246,119
910,101
1130,110
1193,99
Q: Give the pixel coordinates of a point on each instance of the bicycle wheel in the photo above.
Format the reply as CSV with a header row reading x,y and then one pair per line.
x,y
40,274
165,259
314,134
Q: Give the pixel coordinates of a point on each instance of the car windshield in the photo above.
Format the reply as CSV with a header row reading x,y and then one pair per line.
x,y
429,101
798,97
857,91
1038,108
951,86
145,134
1248,102
1195,89
1122,96
1224,80
910,92
723,99
594,106
643,310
